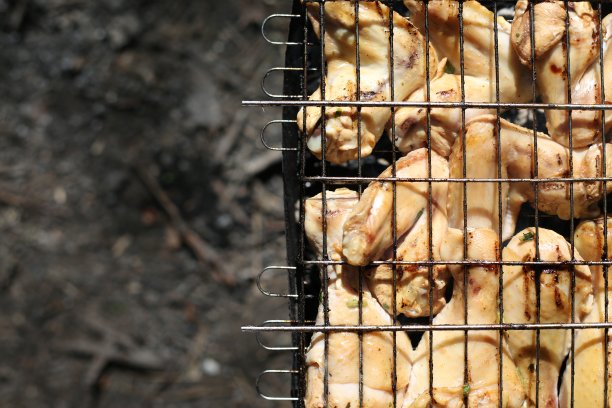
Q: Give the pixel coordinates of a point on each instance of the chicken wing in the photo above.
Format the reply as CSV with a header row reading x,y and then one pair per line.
x,y
343,348
520,306
518,161
368,230
484,355
411,123
343,356
482,199
552,68
340,78
590,355
339,204
412,282
479,69
368,234
607,67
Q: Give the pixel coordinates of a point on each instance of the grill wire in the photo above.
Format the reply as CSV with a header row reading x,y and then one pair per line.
x,y
305,176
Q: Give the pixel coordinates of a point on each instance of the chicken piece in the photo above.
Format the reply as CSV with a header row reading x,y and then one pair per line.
x,y
341,123
343,356
551,64
484,355
520,306
479,70
368,230
412,282
482,201
590,355
607,67
339,204
411,123
517,161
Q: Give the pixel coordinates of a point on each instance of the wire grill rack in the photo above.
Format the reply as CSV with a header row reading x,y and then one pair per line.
x,y
305,176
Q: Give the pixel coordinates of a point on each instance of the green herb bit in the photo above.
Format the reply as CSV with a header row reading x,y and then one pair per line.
x,y
353,303
466,389
448,68
520,376
419,215
338,113
527,236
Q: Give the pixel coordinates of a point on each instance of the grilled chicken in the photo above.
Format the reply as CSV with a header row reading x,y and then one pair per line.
x,y
340,78
479,68
343,309
343,354
368,230
552,68
339,204
607,67
590,354
412,281
520,306
483,356
343,348
368,234
482,201
411,123
517,161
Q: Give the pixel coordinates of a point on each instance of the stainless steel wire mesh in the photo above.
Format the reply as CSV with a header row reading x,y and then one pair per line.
x,y
305,176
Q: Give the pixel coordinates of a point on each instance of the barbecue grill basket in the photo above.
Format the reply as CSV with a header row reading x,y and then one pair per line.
x,y
304,176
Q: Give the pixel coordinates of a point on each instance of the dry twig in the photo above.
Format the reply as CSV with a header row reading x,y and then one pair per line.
x,y
114,347
201,249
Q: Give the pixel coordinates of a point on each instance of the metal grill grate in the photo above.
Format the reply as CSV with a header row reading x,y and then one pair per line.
x,y
305,176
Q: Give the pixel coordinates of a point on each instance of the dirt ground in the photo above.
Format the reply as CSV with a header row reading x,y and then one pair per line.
x,y
137,204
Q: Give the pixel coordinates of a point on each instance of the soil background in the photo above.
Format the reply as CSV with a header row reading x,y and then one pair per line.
x,y
137,204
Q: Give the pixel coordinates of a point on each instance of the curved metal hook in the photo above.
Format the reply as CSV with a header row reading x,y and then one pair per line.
x,y
271,294
273,348
282,69
263,137
267,397
273,16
